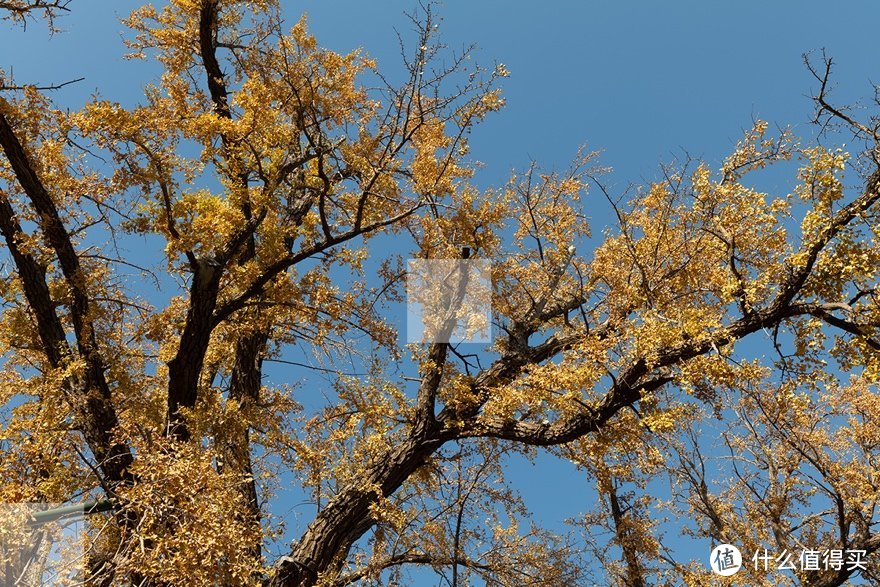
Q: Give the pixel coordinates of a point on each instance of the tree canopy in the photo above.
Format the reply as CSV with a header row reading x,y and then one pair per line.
x,y
273,189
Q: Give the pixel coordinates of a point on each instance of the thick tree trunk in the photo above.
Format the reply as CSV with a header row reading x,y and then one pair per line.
x,y
185,368
347,517
244,388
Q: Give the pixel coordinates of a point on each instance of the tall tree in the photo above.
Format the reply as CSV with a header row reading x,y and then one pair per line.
x,y
268,175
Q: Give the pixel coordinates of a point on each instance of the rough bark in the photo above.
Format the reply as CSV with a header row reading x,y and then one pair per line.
x,y
98,416
347,517
623,535
244,389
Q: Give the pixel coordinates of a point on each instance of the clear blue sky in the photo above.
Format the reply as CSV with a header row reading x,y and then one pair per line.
x,y
638,80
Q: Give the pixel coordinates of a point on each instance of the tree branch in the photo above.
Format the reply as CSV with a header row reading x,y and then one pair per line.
x,y
102,419
275,269
409,558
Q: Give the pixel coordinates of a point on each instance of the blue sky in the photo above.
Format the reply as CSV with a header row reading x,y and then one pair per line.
x,y
640,81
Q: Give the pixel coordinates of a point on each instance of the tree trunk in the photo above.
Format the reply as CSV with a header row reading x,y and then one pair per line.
x,y
347,517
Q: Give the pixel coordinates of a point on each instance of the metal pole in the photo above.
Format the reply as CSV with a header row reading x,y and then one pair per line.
x,y
83,509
